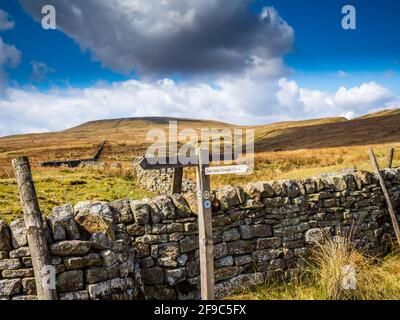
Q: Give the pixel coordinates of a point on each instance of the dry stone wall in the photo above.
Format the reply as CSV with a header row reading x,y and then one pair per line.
x,y
91,259
160,181
131,249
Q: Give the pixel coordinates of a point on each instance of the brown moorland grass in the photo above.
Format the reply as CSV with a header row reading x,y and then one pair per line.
x,y
316,146
327,277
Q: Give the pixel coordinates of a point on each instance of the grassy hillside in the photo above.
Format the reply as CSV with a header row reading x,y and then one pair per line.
x,y
285,150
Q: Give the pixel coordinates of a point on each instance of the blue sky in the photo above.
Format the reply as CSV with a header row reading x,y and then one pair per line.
x,y
315,55
322,47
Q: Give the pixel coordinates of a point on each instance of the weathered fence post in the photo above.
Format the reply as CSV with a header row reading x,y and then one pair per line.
x,y
386,194
34,228
390,158
177,179
206,241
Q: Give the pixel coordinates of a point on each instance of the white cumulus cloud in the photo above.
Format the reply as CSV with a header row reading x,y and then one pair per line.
x,y
9,57
241,101
5,22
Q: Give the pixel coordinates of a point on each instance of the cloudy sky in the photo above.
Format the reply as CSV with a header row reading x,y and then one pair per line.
x,y
239,61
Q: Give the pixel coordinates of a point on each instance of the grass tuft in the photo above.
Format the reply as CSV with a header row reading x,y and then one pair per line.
x,y
327,277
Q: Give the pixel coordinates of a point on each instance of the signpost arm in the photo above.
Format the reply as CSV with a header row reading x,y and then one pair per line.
x,y
206,245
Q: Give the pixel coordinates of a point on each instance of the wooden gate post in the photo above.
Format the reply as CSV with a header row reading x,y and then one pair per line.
x,y
34,228
386,194
177,178
390,158
206,241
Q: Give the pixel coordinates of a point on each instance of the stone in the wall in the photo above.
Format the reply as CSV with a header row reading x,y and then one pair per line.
x,y
261,256
77,295
243,260
91,223
152,276
108,257
70,248
10,264
182,208
18,234
135,230
120,245
192,269
229,287
189,243
95,208
146,262
259,190
100,241
19,273
64,215
105,290
27,261
113,271
315,236
175,276
162,208
192,200
240,247
70,281
141,211
5,237
310,186
10,287
57,229
277,188
29,286
269,243
122,211
142,249
159,293
291,188
226,273
221,220
190,227
89,260
24,298
126,268
168,254
255,231
19,253
231,235
224,262
230,197
95,275
220,250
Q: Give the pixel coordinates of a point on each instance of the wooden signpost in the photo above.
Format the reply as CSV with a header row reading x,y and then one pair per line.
x,y
203,173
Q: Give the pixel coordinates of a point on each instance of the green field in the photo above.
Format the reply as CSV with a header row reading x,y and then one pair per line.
x,y
55,188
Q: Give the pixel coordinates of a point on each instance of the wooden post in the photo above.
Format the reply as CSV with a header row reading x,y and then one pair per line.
x,y
386,194
177,178
390,159
206,242
34,228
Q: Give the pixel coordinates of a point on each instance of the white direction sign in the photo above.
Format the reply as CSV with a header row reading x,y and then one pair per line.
x,y
226,170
